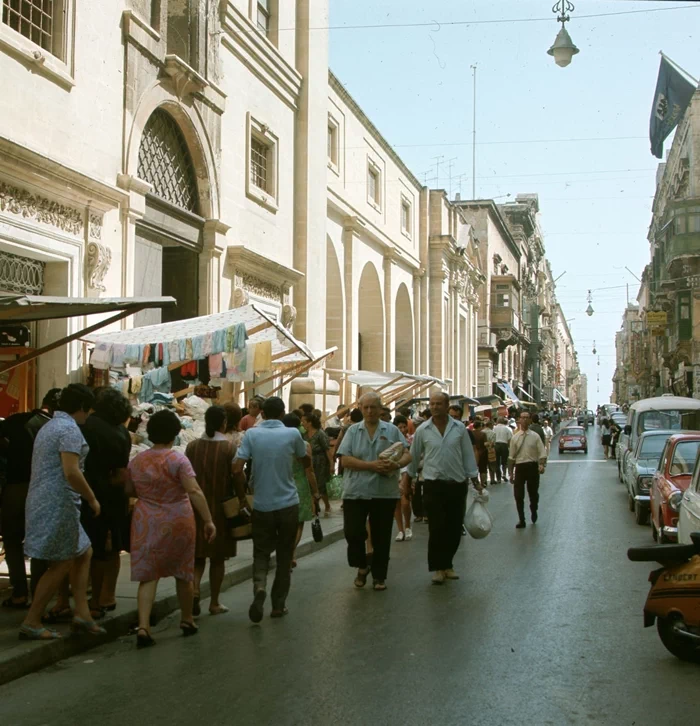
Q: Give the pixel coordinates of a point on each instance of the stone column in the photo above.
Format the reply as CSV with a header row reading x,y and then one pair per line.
x,y
350,306
389,332
310,169
211,281
458,345
417,318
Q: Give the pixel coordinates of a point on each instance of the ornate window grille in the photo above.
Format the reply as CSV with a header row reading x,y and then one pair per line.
x,y
165,162
34,19
21,274
258,163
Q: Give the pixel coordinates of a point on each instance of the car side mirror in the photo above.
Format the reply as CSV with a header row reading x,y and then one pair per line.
x,y
628,430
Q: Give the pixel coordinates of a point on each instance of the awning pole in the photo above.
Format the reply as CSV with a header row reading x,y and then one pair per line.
x,y
9,365
325,386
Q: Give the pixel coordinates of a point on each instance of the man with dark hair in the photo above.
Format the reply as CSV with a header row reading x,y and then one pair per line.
x,y
18,433
271,447
537,428
526,461
385,415
456,411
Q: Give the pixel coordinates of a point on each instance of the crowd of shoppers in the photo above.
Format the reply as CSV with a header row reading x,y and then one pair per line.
x,y
68,471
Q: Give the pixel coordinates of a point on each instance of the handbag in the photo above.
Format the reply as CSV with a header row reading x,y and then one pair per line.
x,y
240,523
316,530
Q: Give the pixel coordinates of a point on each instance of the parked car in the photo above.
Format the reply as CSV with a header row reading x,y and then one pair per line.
x,y
662,412
689,514
640,466
573,438
670,481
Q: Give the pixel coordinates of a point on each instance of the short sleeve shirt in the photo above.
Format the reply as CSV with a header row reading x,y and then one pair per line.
x,y
358,444
272,448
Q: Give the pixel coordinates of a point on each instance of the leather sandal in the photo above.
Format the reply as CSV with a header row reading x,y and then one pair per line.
x,y
361,579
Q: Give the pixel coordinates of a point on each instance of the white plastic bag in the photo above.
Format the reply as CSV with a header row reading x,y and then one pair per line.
x,y
478,520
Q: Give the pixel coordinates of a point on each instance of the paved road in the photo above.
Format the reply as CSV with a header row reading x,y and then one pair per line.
x,y
544,627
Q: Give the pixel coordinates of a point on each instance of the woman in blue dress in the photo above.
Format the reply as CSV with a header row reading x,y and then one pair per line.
x,y
53,529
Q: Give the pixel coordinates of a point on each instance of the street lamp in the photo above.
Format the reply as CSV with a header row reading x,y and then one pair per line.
x,y
563,48
589,309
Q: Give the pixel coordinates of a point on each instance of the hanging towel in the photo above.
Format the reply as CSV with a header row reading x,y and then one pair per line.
x,y
197,343
188,349
118,353
136,384
207,341
146,355
240,335
174,352
218,344
101,356
263,356
215,365
133,354
182,346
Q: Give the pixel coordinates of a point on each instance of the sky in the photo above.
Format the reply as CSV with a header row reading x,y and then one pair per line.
x,y
577,136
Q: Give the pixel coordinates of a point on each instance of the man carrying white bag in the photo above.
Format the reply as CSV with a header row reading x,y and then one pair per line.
x,y
444,445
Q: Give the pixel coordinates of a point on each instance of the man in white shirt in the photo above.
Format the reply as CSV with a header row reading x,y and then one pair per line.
x,y
443,444
502,436
548,436
526,461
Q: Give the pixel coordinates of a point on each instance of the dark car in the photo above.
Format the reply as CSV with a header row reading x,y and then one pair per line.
x,y
573,438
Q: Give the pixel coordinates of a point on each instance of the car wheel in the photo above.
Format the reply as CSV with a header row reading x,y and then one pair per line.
x,y
641,514
676,644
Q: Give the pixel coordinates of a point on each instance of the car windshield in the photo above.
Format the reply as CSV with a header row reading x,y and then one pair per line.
x,y
684,458
572,432
673,420
652,447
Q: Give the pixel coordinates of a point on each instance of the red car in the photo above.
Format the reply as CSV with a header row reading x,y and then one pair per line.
x,y
573,438
670,481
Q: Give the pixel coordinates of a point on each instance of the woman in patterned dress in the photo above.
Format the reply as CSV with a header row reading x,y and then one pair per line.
x,y
321,455
53,529
211,457
163,527
305,480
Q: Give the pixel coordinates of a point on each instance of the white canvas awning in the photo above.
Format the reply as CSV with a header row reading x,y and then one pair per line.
x,y
386,381
286,349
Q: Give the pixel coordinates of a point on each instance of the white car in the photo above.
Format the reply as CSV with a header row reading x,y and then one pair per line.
x,y
689,514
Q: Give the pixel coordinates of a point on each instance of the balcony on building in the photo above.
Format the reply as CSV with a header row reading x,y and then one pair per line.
x,y
505,318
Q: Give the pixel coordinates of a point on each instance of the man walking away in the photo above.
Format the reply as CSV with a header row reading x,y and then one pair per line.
x,y
527,460
18,433
448,463
537,428
271,447
502,436
370,489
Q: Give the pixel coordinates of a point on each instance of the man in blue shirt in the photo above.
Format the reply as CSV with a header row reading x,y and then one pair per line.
x,y
271,447
371,488
444,445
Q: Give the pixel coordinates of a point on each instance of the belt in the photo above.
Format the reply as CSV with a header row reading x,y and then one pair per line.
x,y
525,463
445,481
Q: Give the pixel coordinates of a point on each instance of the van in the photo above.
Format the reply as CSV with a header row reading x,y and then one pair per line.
x,y
661,413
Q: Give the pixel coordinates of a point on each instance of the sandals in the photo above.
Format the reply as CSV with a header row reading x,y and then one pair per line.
x,y
80,625
188,629
10,603
361,579
218,610
26,632
144,641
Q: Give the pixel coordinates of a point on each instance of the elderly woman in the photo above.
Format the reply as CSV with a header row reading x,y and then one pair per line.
x,y
321,455
53,530
163,529
212,459
106,472
234,416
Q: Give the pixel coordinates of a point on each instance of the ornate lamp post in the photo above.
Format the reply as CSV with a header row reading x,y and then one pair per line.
x,y
563,48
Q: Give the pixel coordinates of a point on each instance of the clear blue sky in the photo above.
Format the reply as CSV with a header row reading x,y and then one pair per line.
x,y
595,196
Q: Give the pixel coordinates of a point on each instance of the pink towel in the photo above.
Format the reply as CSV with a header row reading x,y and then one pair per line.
x,y
215,365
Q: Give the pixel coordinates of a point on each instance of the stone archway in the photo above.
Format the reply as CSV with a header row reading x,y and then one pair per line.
x,y
403,331
370,346
335,305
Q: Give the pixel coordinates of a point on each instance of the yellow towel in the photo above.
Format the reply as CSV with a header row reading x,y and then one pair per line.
x,y
263,356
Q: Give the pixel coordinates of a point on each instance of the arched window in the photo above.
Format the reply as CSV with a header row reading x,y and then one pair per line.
x,y
166,164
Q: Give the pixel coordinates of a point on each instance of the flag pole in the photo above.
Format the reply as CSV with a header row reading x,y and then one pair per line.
x,y
678,68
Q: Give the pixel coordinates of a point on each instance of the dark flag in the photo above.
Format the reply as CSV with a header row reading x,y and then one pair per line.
x,y
673,94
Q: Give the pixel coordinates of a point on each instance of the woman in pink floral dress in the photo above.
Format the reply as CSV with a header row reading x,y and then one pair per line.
x,y
163,527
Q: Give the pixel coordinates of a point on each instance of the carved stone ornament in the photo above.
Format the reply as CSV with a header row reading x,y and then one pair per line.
x,y
95,226
289,316
259,287
99,258
186,80
30,206
239,298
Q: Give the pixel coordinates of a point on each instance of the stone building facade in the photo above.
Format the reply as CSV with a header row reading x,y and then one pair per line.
x,y
202,149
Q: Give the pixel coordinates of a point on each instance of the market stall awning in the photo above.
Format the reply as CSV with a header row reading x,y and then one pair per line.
x,y
508,390
522,390
387,381
286,349
559,397
492,399
32,308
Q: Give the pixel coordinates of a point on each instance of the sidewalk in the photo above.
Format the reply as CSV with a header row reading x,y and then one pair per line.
x,y
19,658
